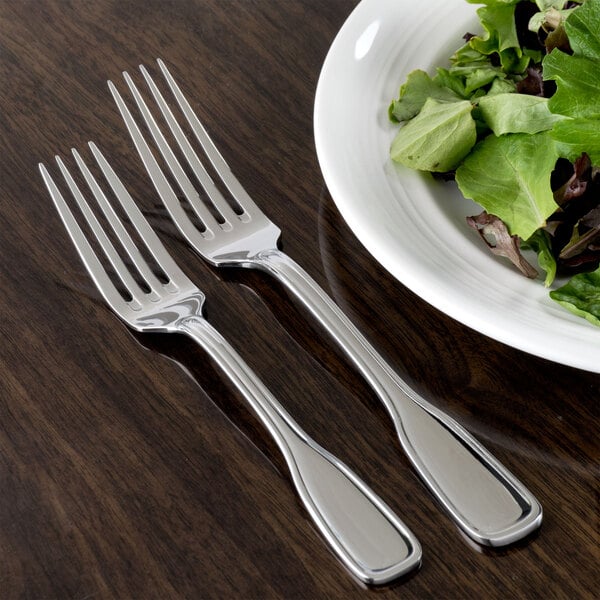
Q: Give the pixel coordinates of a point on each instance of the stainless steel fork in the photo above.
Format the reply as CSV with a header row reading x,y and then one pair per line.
x,y
486,501
362,530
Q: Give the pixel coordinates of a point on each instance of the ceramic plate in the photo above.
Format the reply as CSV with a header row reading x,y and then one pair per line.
x,y
412,224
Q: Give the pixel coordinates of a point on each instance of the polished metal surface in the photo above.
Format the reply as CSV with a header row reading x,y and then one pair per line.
x,y
487,501
362,530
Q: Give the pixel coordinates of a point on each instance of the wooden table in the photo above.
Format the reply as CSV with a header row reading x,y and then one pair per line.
x,y
129,468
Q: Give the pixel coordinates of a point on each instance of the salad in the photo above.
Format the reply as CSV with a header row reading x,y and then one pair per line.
x,y
515,121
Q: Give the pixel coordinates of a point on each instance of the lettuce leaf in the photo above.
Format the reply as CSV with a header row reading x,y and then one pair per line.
x,y
438,138
573,137
540,243
500,35
516,113
413,94
498,20
577,75
509,176
583,29
577,83
581,295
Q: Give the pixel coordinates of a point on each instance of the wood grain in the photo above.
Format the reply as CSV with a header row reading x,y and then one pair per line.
x,y
129,468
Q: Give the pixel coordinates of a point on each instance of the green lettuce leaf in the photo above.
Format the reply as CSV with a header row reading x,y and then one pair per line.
x,y
583,29
577,76
516,113
540,243
498,20
453,81
466,55
509,176
581,295
500,35
479,78
438,138
513,60
573,137
474,69
577,84
502,86
413,94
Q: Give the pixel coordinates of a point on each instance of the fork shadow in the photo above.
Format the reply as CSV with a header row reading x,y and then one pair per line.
x,y
207,377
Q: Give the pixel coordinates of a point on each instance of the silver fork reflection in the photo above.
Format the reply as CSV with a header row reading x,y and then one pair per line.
x,y
487,502
363,531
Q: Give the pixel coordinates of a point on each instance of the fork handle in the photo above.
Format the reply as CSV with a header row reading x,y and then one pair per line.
x,y
485,499
366,535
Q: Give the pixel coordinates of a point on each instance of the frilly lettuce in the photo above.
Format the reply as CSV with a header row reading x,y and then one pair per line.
x,y
485,120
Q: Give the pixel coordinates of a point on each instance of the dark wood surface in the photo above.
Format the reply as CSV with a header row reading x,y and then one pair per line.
x,y
129,467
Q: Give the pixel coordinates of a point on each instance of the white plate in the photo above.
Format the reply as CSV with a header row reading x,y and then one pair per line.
x,y
413,225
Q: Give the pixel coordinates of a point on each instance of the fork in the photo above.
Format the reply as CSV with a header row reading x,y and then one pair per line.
x,y
487,502
368,538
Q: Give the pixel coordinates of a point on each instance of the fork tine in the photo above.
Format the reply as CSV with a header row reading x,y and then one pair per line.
x,y
216,159
151,240
86,252
162,185
156,174
192,158
117,225
107,246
